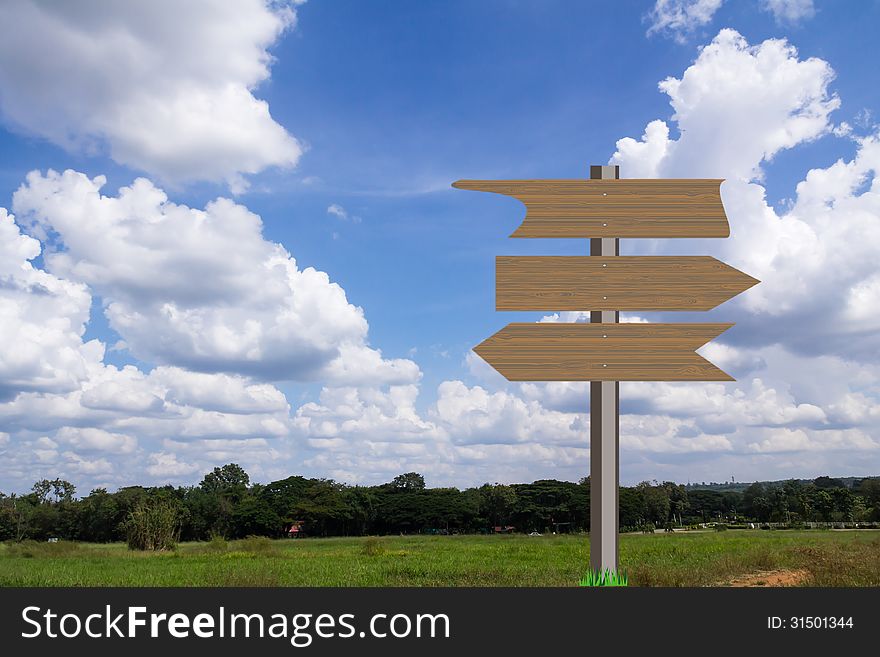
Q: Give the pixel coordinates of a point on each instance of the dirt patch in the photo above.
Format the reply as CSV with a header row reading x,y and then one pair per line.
x,y
770,578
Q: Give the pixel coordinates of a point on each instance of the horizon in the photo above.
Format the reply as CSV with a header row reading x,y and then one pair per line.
x,y
258,257
654,482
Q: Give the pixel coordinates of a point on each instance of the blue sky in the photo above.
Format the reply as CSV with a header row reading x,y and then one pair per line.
x,y
373,110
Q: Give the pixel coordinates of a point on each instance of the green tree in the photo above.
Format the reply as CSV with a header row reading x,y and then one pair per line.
x,y
362,502
844,503
410,481
399,510
324,508
656,503
230,481
445,509
763,507
678,499
16,516
99,517
497,503
869,489
253,516
732,503
706,504
223,489
823,502
750,502
284,495
859,509
631,507
547,503
779,509
827,482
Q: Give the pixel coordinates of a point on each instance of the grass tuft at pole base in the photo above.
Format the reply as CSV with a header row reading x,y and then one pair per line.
x,y
606,578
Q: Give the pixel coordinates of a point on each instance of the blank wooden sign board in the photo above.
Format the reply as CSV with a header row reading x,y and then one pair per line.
x,y
605,352
602,352
615,282
614,208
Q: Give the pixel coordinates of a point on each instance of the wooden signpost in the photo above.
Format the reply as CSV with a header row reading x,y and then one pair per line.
x,y
615,283
596,352
605,352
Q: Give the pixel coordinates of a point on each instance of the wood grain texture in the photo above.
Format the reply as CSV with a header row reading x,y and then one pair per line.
x,y
615,283
602,352
614,208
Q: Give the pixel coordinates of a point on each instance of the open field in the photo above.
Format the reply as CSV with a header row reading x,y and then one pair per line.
x,y
821,558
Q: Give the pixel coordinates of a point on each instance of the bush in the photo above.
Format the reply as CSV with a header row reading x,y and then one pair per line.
x,y
216,544
372,547
30,549
254,545
720,527
153,526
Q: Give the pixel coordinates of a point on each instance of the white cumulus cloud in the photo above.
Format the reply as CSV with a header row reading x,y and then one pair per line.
x,y
789,11
364,414
167,464
201,289
161,86
679,18
42,320
90,439
735,107
474,415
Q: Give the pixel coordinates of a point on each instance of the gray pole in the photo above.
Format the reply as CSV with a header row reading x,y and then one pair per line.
x,y
604,429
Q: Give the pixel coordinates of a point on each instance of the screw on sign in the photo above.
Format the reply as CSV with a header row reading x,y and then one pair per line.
x,y
604,352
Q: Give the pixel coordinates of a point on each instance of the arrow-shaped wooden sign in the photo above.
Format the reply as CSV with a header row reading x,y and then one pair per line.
x,y
615,282
614,208
602,352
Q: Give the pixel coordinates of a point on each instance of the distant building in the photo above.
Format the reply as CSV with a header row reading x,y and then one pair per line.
x,y
295,530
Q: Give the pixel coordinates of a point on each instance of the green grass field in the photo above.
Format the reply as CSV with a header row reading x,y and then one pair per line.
x,y
826,558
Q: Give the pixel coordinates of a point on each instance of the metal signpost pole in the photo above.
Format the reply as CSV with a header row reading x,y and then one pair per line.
x,y
604,429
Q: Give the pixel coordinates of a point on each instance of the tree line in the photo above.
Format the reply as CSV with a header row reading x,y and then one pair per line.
x,y
226,504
